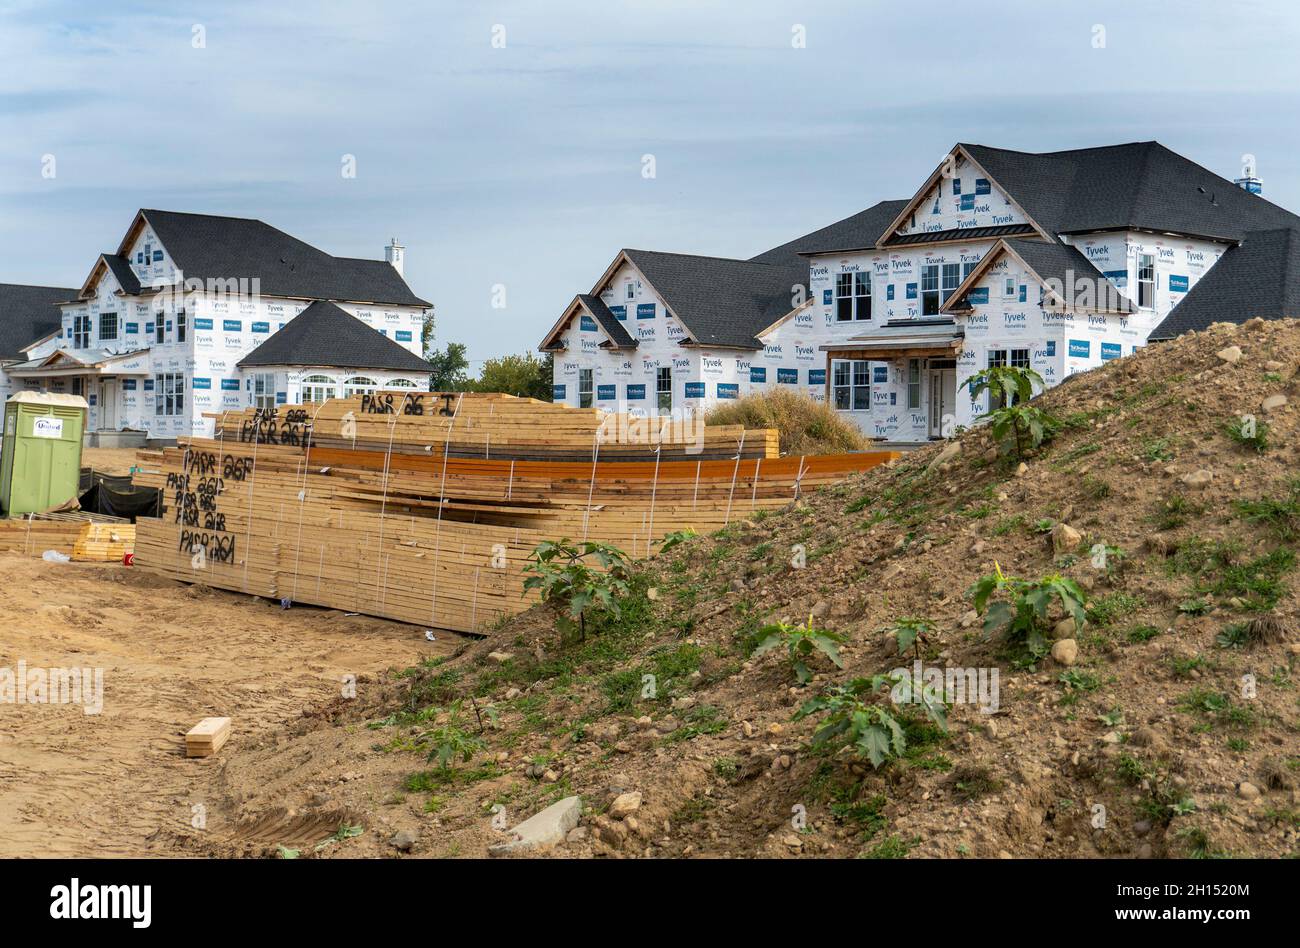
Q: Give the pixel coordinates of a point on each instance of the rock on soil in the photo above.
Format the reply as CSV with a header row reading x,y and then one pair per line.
x,y
542,830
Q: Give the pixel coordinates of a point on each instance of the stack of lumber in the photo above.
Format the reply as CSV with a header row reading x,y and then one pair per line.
x,y
491,426
396,526
104,542
34,536
206,737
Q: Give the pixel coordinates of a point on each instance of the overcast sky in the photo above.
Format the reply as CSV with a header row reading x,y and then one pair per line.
x,y
522,165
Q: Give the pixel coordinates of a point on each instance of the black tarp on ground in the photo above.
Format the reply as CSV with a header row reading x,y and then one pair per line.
x,y
115,496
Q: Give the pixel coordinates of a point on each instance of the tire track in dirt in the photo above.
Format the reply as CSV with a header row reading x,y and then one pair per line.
x,y
117,783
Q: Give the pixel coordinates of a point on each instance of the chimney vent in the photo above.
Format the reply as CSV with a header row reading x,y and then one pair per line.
x,y
395,254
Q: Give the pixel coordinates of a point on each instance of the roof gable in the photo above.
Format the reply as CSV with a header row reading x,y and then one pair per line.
x,y
1068,277
719,301
594,308
959,198
325,334
206,246
1137,186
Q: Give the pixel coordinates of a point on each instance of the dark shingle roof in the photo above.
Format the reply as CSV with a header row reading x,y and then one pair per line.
x,y
126,277
1141,185
28,314
612,325
858,232
722,302
207,246
1259,277
324,334
1067,266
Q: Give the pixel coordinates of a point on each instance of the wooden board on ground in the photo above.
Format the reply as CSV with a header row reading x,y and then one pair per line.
x,y
206,737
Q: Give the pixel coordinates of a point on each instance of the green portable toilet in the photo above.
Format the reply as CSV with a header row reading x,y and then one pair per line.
x,y
40,457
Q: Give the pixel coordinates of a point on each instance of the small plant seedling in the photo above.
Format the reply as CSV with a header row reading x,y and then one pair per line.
x,y
1249,432
559,569
853,717
1021,611
675,538
1018,426
911,633
800,641
450,740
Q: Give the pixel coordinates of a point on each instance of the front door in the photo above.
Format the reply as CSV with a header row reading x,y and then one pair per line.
x,y
943,397
108,404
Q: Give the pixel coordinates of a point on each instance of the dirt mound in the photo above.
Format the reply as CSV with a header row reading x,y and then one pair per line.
x,y
1166,726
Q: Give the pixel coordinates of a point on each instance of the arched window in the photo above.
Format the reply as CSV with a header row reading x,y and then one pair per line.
x,y
401,383
318,388
357,385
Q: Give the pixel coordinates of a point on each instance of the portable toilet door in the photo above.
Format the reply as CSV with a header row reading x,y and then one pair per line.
x,y
40,456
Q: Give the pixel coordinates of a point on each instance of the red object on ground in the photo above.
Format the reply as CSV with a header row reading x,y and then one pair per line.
x,y
128,559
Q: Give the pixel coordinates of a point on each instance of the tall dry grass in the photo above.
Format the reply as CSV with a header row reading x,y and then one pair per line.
x,y
806,426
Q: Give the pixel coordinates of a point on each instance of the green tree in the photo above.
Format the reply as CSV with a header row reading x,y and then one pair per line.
x,y
426,332
524,375
449,368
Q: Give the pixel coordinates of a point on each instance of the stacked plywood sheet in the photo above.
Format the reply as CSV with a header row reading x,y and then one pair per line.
x,y
394,522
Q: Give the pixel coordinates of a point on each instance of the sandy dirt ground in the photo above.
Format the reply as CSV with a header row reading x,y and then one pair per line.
x,y
109,460
117,783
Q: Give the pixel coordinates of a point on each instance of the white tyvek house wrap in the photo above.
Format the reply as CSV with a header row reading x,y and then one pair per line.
x,y
964,199
1015,322
220,330
625,380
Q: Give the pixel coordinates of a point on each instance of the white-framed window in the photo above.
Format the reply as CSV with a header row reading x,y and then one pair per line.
x,y
585,389
930,289
951,279
664,389
1009,289
630,292
914,384
401,383
264,390
159,328
852,296
317,389
358,385
169,394
107,326
968,268
851,384
180,325
1146,280
81,332
1019,358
